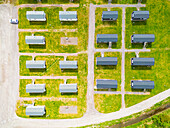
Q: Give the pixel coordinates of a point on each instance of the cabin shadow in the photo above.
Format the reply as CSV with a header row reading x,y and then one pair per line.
x,y
39,116
141,45
112,89
38,94
114,45
139,22
141,90
102,45
141,67
69,23
135,1
64,94
69,70
99,67
38,22
113,1
37,46
37,70
110,23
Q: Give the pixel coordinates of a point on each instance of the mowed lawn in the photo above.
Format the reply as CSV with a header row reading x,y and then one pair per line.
x,y
52,90
108,27
108,72
106,103
158,73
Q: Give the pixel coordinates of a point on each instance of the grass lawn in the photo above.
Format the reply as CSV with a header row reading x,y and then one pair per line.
x,y
158,73
108,27
106,103
52,91
157,24
108,72
53,40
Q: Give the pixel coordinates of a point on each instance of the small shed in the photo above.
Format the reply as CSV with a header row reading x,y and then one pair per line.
x,y
106,84
142,84
141,38
68,15
68,64
106,61
35,110
106,38
142,61
109,15
35,64
35,40
35,88
36,15
68,88
140,15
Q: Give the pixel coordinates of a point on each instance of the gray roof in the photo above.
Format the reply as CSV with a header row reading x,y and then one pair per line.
x,y
140,38
105,38
104,84
140,15
36,15
35,64
68,15
35,40
145,84
35,110
68,88
142,61
106,60
35,88
68,64
109,15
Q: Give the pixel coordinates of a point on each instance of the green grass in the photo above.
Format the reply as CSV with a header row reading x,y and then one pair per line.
x,y
160,120
53,91
108,27
108,72
157,24
106,103
158,73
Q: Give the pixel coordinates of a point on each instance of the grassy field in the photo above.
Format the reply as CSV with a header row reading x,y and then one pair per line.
x,y
157,73
108,72
52,91
108,27
53,40
106,103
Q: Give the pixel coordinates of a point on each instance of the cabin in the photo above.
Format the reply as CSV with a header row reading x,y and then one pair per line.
x,y
106,38
142,61
39,64
68,15
35,88
36,15
142,38
106,61
35,110
68,88
68,64
142,84
109,15
106,84
35,40
140,15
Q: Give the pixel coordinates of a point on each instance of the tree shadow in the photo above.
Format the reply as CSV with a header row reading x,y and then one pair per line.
x,y
141,45
38,22
99,67
141,67
37,70
37,46
69,70
139,22
69,23
110,22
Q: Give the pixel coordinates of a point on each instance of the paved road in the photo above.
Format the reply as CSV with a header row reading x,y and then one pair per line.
x,y
47,30
9,65
48,77
120,5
